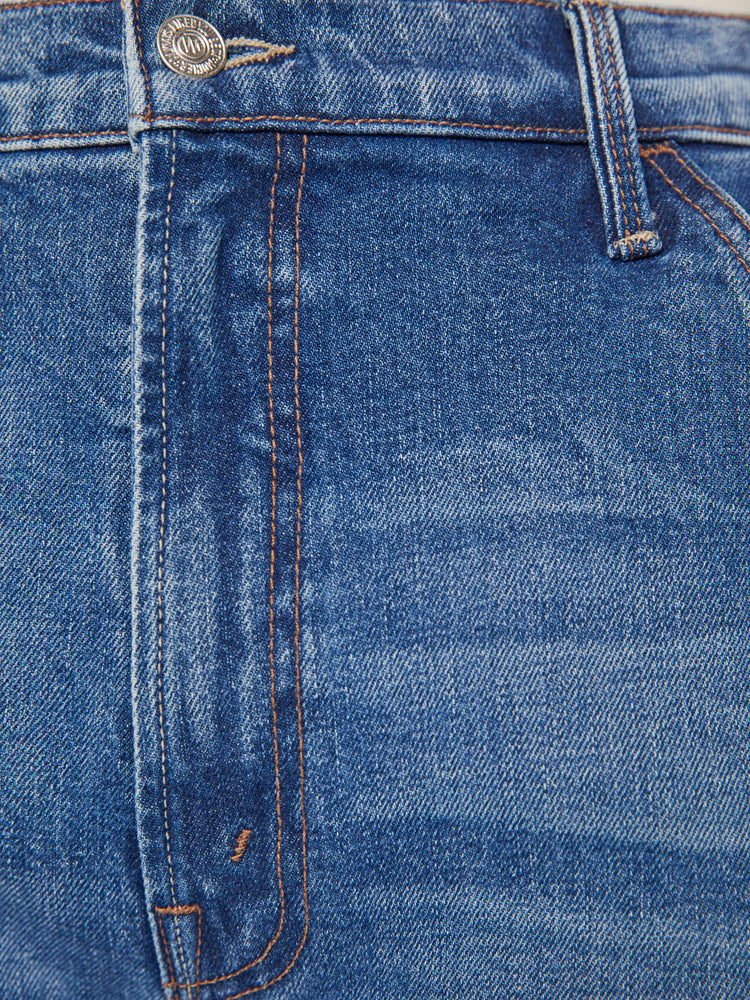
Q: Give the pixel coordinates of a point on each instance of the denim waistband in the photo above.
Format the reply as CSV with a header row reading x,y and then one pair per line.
x,y
88,71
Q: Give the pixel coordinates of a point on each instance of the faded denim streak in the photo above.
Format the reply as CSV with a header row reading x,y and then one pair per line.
x,y
375,546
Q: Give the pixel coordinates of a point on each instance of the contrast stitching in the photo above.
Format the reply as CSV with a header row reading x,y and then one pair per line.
x,y
624,6
541,130
277,773
700,211
62,135
266,51
198,955
168,952
240,845
695,128
300,728
643,236
272,568
139,45
298,548
162,526
298,680
176,910
622,119
173,911
669,12
271,51
666,148
604,88
536,129
51,3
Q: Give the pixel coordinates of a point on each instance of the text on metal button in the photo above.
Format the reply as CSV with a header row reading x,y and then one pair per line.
x,y
190,46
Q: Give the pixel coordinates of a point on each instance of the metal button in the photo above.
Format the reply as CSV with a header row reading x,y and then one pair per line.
x,y
190,46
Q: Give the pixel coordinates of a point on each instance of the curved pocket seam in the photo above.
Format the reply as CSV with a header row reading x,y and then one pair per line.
x,y
649,154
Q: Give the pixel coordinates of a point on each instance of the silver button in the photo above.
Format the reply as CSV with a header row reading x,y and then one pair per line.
x,y
190,46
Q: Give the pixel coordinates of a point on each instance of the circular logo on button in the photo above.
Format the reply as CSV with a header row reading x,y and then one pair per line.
x,y
190,46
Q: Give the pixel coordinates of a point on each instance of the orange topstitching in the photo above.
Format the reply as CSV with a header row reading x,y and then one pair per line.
x,y
698,209
60,135
271,621
172,984
303,939
174,911
666,148
622,121
613,145
51,3
240,845
161,541
298,529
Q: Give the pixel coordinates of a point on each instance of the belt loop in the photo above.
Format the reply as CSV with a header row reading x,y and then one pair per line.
x,y
613,140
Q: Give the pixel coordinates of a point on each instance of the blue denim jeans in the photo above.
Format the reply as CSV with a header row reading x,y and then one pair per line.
x,y
375,501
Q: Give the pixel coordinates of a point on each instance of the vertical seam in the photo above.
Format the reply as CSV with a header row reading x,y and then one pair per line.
x,y
168,952
198,955
606,111
160,561
622,121
174,911
298,531
271,577
298,682
298,552
139,44
272,568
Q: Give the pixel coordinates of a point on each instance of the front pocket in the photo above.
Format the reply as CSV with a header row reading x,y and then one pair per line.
x,y
724,222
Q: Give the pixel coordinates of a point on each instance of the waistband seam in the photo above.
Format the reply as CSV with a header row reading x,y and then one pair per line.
x,y
549,4
536,131
437,123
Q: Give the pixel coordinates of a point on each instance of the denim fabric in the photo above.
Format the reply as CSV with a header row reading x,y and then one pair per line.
x,y
375,548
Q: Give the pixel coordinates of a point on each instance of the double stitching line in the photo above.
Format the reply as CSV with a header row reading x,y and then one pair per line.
x,y
298,527
271,594
305,119
160,558
173,911
622,118
298,531
64,135
666,148
139,43
595,33
646,130
650,154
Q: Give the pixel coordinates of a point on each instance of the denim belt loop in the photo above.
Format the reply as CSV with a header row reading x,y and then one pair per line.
x,y
612,136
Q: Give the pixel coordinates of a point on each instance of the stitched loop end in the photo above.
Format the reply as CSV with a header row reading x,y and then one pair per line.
x,y
644,243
